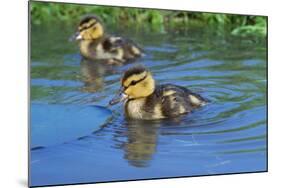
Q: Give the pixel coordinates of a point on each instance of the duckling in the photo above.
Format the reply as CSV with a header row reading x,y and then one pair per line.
x,y
145,100
95,44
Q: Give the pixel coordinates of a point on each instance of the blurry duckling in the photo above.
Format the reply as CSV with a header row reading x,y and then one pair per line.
x,y
95,44
145,100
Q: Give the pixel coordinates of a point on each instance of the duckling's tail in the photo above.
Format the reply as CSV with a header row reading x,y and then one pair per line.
x,y
197,100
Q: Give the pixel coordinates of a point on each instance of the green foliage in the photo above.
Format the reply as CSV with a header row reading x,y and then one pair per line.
x,y
258,27
238,25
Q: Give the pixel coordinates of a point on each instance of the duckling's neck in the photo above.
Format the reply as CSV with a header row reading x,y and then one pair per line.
x,y
138,108
87,47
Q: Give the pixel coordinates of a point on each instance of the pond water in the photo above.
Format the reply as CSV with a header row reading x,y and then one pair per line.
x,y
77,138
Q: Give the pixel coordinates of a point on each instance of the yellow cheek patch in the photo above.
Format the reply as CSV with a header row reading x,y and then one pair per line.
x,y
96,31
128,91
134,77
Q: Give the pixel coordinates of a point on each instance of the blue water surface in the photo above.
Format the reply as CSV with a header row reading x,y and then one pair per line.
x,y
77,138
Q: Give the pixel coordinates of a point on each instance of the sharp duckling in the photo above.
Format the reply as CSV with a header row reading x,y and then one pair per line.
x,y
95,44
145,100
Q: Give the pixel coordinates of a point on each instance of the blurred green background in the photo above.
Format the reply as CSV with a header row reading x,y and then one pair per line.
x,y
161,20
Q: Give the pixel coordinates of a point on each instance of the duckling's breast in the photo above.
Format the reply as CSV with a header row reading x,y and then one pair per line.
x,y
134,108
85,49
145,108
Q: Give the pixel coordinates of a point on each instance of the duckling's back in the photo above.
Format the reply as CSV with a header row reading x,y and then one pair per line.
x,y
178,100
170,101
124,48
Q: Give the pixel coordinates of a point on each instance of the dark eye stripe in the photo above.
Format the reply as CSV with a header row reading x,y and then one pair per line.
x,y
87,27
133,83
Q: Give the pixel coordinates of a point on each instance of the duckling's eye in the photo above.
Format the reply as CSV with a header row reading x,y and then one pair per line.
x,y
94,28
133,82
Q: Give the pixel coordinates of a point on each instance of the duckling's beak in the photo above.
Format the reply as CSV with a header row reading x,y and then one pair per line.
x,y
120,97
76,36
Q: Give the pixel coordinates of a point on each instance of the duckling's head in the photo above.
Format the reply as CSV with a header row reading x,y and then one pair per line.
x,y
90,28
137,82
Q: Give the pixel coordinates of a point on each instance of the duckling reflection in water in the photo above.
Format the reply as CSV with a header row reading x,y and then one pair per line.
x,y
141,144
95,44
145,100
92,74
